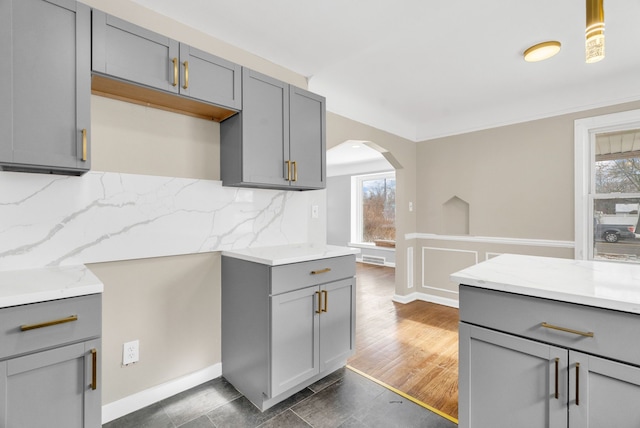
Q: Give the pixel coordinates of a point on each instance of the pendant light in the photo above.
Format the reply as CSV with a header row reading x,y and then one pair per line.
x,y
594,34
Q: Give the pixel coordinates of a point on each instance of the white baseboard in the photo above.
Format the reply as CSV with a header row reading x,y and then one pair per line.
x,y
453,303
149,396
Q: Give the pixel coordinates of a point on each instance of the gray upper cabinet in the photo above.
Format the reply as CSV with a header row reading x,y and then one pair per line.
x,y
45,92
278,140
134,54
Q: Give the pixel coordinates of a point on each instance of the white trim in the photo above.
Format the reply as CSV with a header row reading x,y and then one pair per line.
x,y
584,146
412,297
452,250
409,267
142,399
493,240
368,246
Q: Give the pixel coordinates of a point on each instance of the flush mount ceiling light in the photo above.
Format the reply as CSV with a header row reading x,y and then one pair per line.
x,y
542,51
594,34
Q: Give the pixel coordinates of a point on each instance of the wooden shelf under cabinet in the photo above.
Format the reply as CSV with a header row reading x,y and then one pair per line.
x,y
124,91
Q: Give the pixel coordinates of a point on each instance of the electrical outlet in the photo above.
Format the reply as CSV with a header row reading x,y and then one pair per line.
x,y
130,352
314,211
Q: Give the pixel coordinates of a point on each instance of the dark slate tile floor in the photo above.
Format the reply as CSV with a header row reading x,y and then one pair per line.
x,y
343,399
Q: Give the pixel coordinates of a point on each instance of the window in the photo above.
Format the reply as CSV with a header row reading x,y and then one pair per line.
x,y
375,218
608,187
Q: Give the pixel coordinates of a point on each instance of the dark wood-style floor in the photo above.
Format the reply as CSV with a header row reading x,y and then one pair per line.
x,y
411,347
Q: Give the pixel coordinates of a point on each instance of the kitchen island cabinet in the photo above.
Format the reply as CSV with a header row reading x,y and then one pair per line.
x,y
285,326
45,91
278,139
549,343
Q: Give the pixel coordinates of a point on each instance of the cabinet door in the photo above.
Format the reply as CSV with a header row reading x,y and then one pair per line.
x,y
265,129
46,85
51,388
294,338
337,322
209,78
506,381
126,51
602,393
307,138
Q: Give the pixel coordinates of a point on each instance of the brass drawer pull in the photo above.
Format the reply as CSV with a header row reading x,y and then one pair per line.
x,y
186,75
317,272
325,293
27,327
319,302
295,171
175,72
568,330
288,170
84,145
557,395
94,369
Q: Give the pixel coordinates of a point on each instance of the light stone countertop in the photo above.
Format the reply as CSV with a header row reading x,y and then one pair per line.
x,y
601,284
20,287
295,253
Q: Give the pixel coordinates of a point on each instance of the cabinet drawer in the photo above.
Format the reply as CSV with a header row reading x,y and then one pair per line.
x,y
15,341
298,275
615,334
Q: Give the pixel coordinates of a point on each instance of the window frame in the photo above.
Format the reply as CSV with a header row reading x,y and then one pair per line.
x,y
585,131
357,217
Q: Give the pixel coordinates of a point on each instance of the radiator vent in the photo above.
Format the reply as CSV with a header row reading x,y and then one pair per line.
x,y
374,260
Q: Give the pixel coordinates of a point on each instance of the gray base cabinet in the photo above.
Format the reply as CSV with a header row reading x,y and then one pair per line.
x,y
278,139
126,51
285,327
45,91
50,364
533,362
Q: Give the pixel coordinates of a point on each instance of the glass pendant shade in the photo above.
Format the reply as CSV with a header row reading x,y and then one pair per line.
x,y
594,34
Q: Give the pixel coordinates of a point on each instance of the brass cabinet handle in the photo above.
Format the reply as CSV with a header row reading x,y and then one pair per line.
x,y
325,293
175,72
568,330
84,145
577,384
295,171
319,302
317,272
557,363
288,170
94,369
26,327
186,75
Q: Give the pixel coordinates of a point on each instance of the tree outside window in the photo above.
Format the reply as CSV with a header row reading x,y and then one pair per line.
x,y
377,219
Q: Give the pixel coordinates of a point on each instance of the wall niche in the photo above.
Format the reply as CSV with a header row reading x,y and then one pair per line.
x,y
455,213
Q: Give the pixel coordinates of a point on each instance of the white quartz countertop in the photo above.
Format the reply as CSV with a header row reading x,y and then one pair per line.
x,y
285,254
20,287
601,284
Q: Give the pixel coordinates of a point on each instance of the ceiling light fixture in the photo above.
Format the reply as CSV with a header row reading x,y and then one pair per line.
x,y
594,34
542,51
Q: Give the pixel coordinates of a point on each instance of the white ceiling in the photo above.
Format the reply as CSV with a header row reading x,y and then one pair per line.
x,y
424,69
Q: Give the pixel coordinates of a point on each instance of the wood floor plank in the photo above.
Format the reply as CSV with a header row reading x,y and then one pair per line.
x,y
412,347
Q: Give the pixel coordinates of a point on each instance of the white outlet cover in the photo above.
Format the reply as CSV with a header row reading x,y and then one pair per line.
x,y
130,352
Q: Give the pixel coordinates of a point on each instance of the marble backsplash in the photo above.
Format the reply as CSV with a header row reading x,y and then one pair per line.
x,y
49,220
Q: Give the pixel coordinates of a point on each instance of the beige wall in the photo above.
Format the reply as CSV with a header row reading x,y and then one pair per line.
x,y
519,183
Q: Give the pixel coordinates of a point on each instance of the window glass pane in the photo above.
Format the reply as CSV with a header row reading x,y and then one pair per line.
x,y
615,225
378,209
617,166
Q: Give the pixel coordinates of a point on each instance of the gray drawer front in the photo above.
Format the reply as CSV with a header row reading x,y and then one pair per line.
x,y
298,275
14,341
615,334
